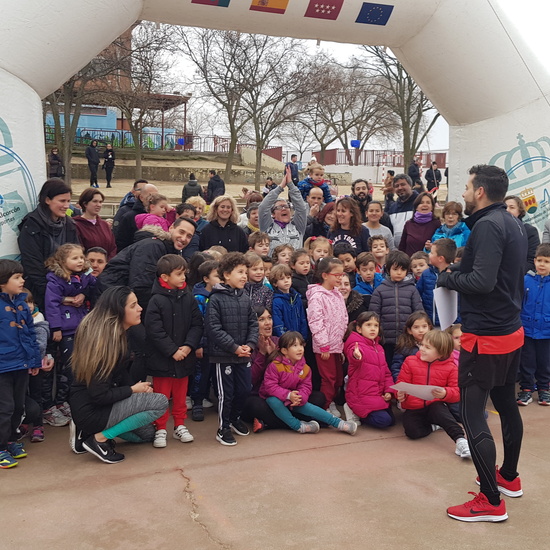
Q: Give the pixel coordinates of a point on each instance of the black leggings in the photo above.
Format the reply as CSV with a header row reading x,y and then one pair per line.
x,y
482,445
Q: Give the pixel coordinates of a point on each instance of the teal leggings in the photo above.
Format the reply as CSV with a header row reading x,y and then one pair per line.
x,y
285,414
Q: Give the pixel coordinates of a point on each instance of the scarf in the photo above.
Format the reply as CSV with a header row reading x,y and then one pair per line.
x,y
423,218
252,228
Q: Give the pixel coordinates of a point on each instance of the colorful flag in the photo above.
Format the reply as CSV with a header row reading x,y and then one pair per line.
x,y
222,3
374,14
270,6
324,9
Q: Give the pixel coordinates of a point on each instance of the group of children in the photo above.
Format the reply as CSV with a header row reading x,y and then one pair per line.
x,y
364,322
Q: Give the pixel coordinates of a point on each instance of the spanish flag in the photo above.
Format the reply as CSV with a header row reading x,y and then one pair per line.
x,y
269,6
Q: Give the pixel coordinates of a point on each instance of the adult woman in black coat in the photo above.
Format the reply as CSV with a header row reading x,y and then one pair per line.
x,y
515,206
42,232
222,229
104,403
56,169
92,154
109,163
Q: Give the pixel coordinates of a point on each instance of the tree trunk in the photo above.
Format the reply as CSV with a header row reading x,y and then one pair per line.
x,y
258,173
136,136
230,157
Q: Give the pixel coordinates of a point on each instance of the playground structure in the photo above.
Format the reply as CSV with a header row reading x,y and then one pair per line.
x,y
471,58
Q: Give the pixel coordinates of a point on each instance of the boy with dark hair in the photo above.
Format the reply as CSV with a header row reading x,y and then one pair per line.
x,y
442,255
534,368
395,299
232,333
19,357
288,310
366,279
174,328
208,275
347,254
380,249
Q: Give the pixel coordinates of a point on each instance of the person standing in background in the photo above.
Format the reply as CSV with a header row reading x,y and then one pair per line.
x,y
109,163
293,165
92,155
56,168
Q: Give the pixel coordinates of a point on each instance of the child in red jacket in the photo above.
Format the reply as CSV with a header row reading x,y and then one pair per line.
x,y
368,392
432,365
287,385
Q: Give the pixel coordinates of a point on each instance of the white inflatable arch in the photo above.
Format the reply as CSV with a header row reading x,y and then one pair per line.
x,y
468,56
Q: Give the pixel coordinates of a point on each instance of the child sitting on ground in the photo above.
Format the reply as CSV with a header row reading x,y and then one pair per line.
x,y
257,291
409,341
174,327
282,254
286,387
395,299
432,365
288,311
442,255
368,393
419,264
380,249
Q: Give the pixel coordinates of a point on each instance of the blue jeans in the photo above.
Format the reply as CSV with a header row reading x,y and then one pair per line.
x,y
282,412
534,369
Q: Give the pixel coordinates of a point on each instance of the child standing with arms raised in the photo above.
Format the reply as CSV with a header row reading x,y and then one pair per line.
x,y
368,392
232,333
328,318
19,354
174,328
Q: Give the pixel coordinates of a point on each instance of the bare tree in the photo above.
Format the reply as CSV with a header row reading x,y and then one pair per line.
x,y
403,96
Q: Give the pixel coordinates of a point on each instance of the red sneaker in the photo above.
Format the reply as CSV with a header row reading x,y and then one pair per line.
x,y
478,509
511,489
258,426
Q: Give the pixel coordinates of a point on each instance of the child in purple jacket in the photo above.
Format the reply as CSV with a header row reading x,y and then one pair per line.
x,y
287,385
68,287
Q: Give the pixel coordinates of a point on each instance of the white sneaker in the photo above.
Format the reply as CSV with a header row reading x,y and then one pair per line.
x,y
182,433
54,417
189,402
332,409
160,439
462,448
436,427
207,404
350,415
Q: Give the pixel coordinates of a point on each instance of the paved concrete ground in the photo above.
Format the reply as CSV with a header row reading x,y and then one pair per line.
x,y
273,490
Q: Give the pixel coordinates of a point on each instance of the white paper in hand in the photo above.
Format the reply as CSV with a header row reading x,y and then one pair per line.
x,y
420,391
446,304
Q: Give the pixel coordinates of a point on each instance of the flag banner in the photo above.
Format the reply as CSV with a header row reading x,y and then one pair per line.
x,y
324,9
374,14
269,6
221,3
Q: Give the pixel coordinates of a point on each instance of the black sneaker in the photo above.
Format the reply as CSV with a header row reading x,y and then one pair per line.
x,y
197,413
239,427
105,451
225,437
524,397
76,439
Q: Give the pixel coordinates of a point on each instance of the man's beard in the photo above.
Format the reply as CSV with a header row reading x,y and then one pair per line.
x,y
469,208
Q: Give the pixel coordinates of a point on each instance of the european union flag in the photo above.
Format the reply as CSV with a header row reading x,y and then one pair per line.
x,y
374,14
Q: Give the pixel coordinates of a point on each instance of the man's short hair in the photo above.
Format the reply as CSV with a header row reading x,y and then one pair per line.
x,y
97,250
213,172
543,250
493,180
178,221
405,177
278,272
169,263
358,181
231,261
137,182
7,269
397,258
445,248
293,157
344,247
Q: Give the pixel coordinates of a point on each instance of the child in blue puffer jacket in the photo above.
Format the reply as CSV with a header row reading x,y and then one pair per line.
x,y
315,178
534,368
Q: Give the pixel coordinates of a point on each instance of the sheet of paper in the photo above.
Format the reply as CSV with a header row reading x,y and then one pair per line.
x,y
422,392
446,303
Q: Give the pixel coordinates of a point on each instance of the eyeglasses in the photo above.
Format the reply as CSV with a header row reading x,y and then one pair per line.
x,y
339,275
282,207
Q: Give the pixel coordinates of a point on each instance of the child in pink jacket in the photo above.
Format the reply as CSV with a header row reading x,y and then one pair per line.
x,y
287,385
157,209
328,318
368,392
